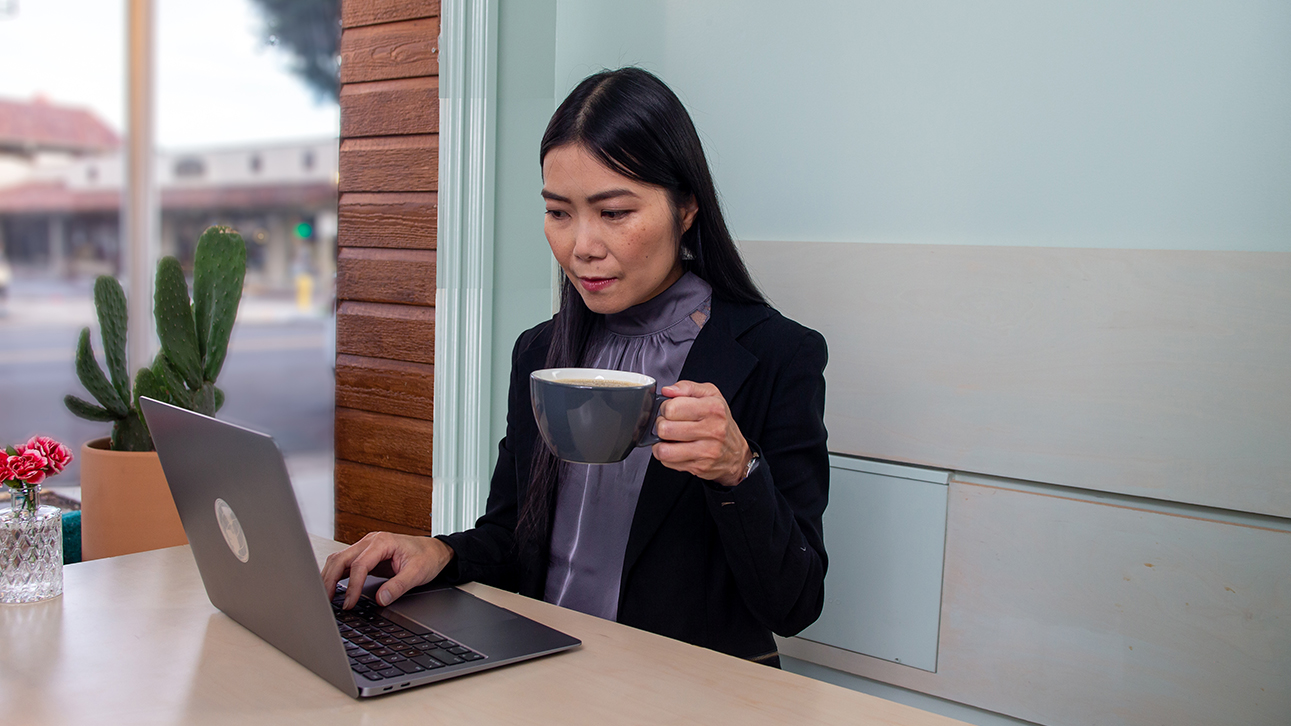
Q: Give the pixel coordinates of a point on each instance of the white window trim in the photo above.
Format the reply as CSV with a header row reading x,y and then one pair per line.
x,y
464,261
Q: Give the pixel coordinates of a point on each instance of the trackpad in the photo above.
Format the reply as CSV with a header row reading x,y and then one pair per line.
x,y
449,610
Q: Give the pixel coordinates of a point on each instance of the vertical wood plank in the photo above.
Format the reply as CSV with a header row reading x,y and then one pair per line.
x,y
386,236
393,50
355,13
401,220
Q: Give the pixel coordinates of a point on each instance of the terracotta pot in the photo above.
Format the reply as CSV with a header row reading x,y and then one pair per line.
x,y
125,503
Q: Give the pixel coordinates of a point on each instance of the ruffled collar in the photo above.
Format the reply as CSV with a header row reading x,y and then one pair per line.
x,y
677,303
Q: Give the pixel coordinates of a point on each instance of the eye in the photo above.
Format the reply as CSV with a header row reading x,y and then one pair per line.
x,y
557,213
614,214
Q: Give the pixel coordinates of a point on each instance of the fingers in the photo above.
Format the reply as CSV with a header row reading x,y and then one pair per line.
x,y
417,562
337,566
690,389
695,457
693,411
698,434
358,560
703,426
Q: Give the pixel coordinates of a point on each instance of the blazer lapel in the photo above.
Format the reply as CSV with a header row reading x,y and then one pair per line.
x,y
715,357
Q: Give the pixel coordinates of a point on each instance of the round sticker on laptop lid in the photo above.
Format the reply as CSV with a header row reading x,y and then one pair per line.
x,y
232,530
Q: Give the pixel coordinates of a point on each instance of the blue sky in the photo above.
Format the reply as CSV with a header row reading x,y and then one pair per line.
x,y
217,84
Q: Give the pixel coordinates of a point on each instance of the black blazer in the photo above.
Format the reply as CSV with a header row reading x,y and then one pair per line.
x,y
718,567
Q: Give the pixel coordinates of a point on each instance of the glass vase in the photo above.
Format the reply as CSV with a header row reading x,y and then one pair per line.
x,y
31,548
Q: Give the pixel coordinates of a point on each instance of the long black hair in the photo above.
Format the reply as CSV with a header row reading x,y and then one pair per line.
x,y
636,126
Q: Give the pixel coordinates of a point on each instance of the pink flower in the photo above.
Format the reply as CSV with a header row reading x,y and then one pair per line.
x,y
57,454
29,466
6,473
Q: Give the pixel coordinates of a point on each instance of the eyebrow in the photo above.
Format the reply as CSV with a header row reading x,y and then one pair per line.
x,y
598,197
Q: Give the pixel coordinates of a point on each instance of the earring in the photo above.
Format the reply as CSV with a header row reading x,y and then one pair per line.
x,y
686,254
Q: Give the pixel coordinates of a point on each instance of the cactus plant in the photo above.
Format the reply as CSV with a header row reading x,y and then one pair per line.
x,y
194,340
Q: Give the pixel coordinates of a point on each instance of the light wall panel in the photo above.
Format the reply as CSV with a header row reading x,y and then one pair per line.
x,y
1156,373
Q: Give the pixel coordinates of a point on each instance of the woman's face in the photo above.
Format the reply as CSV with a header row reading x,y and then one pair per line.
x,y
615,238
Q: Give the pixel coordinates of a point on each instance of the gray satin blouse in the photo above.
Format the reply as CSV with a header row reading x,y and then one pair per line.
x,y
595,503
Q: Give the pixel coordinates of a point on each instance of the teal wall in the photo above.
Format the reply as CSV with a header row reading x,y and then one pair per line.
x,y
521,257
1148,124
1131,130
1102,124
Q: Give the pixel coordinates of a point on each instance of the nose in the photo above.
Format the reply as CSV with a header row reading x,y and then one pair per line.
x,y
588,244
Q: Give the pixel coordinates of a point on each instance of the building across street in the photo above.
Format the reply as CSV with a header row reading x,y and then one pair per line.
x,y
61,174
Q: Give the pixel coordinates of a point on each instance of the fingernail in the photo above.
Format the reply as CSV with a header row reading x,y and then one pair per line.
x,y
383,598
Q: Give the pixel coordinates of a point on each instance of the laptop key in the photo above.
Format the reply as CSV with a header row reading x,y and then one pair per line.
x,y
390,672
459,650
408,666
427,661
373,675
367,659
445,657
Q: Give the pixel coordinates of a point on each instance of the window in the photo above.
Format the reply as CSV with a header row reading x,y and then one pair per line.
x,y
190,168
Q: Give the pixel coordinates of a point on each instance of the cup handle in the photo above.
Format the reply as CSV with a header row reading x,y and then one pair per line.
x,y
651,438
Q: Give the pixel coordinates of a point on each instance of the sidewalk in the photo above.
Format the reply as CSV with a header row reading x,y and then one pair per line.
x,y
71,304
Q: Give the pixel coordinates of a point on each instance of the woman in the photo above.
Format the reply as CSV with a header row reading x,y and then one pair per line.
x,y
712,536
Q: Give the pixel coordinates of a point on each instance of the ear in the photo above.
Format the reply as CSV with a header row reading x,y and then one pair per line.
x,y
688,212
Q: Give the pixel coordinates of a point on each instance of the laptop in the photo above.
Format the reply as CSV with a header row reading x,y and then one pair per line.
x,y
239,511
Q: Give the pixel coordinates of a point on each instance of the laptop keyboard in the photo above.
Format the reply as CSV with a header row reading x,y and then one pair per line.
x,y
379,648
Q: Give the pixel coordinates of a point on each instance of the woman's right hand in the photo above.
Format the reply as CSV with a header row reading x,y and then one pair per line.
x,y
407,560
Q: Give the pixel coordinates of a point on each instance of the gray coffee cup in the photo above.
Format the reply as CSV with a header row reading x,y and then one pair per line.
x,y
592,415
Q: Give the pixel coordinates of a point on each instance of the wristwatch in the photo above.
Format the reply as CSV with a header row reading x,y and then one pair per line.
x,y
753,464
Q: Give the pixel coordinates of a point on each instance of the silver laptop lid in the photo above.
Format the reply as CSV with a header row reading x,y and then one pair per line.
x,y
240,513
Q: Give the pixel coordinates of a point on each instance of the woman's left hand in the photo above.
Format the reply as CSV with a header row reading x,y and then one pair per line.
x,y
699,436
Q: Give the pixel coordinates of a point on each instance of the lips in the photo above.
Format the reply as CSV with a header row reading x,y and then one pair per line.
x,y
595,284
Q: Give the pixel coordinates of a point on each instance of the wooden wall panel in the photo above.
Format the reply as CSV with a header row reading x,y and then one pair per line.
x,y
351,527
392,50
378,439
385,332
403,221
372,12
390,164
382,108
385,386
386,275
391,496
380,330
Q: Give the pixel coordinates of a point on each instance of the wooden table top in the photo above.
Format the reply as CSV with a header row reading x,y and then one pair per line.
x,y
134,640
